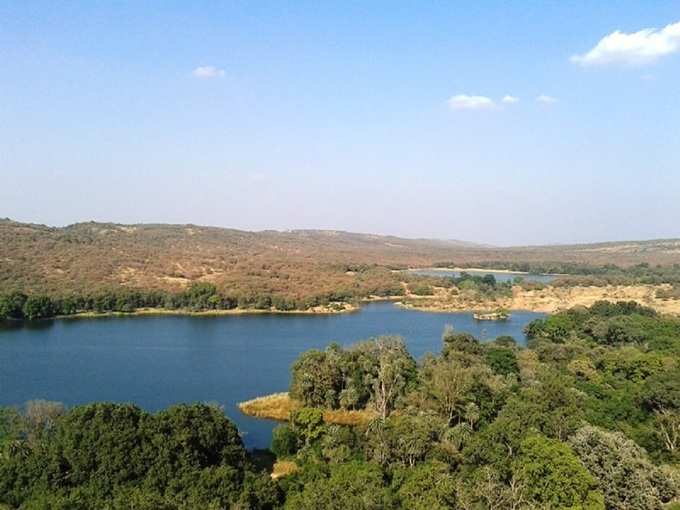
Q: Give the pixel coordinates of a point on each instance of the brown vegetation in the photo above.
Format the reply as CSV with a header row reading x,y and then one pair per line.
x,y
88,257
548,299
278,406
283,468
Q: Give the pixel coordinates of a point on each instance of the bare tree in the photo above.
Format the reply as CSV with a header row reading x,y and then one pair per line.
x,y
669,428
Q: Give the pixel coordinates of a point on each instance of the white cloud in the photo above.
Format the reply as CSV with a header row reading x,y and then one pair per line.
x,y
546,99
465,102
508,99
207,72
634,48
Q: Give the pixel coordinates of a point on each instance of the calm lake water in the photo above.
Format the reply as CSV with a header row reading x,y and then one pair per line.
x,y
500,276
158,361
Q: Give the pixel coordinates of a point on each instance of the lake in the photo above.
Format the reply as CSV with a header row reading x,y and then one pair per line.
x,y
157,361
500,276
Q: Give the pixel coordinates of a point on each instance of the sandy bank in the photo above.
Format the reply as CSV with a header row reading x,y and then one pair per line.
x,y
317,310
548,300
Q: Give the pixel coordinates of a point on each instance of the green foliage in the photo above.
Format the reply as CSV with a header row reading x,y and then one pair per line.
x,y
593,274
318,378
624,474
339,444
9,426
421,289
403,440
307,424
12,305
376,372
456,343
111,455
502,361
38,307
553,477
352,486
284,441
555,328
662,390
427,486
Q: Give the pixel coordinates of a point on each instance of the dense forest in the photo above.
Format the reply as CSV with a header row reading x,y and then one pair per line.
x,y
586,416
113,456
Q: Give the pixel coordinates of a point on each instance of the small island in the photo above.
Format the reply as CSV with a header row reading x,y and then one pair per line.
x,y
496,315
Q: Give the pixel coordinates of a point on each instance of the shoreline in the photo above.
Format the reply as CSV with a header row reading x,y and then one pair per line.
x,y
546,300
348,308
481,270
180,312
468,309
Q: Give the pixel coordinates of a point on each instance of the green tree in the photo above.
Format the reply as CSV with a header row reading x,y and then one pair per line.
x,y
307,424
396,370
317,378
554,477
284,441
12,305
626,477
403,439
427,486
352,486
502,361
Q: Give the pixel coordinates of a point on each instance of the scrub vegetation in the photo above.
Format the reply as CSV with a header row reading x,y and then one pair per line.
x,y
105,268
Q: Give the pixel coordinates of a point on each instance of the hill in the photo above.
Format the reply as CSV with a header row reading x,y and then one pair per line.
x,y
85,257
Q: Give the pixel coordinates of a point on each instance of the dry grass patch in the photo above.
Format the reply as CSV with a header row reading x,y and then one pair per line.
x,y
279,406
348,417
552,299
283,468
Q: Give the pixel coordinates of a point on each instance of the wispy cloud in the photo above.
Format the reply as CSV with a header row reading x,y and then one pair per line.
x,y
465,102
508,99
545,99
207,72
635,48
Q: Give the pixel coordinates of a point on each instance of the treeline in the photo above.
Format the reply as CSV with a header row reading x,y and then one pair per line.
x,y
198,297
586,417
587,274
118,457
475,285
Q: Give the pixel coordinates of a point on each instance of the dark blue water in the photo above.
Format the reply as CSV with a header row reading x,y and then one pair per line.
x,y
500,277
158,361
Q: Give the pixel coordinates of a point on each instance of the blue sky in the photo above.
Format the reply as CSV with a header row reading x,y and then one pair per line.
x,y
382,117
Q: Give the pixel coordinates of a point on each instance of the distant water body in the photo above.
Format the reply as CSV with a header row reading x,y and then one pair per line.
x,y
501,276
157,361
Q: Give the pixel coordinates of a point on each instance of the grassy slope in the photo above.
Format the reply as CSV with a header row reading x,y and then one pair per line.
x,y
88,256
